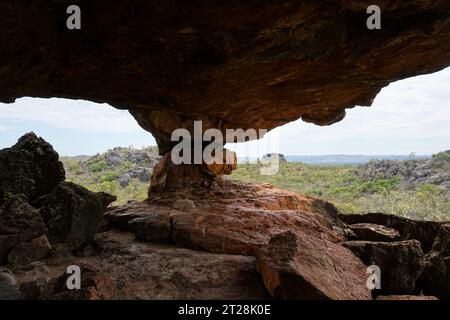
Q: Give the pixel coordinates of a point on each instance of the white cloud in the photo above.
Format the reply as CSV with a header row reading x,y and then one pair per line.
x,y
411,115
69,114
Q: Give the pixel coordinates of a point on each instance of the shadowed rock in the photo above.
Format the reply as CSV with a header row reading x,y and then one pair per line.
x,y
423,231
19,223
400,263
30,167
435,279
72,213
374,232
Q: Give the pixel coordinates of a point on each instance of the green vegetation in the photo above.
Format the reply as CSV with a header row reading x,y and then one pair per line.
x,y
124,172
342,186
396,187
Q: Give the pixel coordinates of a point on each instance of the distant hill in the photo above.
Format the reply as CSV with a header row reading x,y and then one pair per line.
x,y
341,159
348,159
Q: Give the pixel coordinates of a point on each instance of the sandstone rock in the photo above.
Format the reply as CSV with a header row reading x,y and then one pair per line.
x,y
131,270
169,177
19,222
423,231
303,267
27,252
30,167
72,213
234,223
184,205
410,298
374,232
400,263
226,63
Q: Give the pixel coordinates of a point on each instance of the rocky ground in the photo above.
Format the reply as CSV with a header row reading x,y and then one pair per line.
x,y
232,240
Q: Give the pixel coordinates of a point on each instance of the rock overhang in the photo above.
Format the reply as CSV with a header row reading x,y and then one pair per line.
x,y
231,64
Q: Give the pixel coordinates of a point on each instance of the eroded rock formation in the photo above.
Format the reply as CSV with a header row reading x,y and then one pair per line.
x,y
230,241
231,64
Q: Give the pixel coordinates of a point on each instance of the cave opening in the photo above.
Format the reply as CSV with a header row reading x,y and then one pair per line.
x,y
407,121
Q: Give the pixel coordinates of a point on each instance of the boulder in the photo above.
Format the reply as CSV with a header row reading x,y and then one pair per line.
x,y
435,279
19,223
400,263
27,252
30,167
72,213
303,267
423,231
374,232
238,222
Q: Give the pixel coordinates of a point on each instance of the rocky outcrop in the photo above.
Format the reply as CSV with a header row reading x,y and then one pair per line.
x,y
72,213
30,167
232,240
374,232
226,63
232,65
63,212
423,231
236,218
19,224
435,279
169,177
400,263
412,173
301,267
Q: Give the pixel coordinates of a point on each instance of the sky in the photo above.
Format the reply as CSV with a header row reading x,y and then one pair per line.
x,y
411,115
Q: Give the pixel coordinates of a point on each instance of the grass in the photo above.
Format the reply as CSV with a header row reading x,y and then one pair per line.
x,y
336,184
342,187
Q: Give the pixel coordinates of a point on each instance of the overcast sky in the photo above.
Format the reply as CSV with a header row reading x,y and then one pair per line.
x,y
411,115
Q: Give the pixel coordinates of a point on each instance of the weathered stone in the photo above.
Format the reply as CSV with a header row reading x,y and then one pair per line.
x,y
309,268
169,177
400,263
423,231
435,279
72,213
237,222
374,232
19,222
226,63
27,252
154,227
132,270
184,205
30,167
